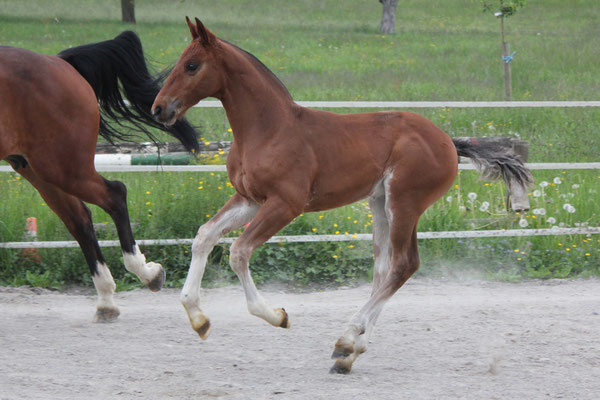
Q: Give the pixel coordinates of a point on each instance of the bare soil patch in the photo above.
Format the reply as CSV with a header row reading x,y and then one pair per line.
x,y
434,340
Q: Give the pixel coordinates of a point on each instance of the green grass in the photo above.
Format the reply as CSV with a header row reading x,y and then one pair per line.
x,y
331,50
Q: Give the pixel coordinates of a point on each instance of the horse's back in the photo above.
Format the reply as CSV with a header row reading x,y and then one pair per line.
x,y
372,146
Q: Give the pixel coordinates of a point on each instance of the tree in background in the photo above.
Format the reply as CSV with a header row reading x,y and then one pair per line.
x,y
388,19
502,9
128,11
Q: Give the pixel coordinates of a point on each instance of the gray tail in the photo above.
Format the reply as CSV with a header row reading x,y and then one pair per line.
x,y
494,161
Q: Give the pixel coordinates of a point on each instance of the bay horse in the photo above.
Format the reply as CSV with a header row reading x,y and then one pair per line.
x,y
286,159
49,124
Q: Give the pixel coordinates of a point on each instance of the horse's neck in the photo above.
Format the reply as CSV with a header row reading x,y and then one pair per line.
x,y
255,101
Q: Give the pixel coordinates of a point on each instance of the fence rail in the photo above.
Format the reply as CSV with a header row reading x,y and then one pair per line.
x,y
222,168
427,104
324,238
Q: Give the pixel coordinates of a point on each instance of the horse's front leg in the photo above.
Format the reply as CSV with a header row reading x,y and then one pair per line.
x,y
273,215
237,212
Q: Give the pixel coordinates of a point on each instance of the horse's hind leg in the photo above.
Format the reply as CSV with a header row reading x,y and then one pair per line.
x,y
82,181
392,273
151,274
77,218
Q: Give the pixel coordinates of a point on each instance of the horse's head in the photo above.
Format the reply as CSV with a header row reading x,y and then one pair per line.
x,y
195,76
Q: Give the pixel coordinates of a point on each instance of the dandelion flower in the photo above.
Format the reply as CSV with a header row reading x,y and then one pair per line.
x,y
575,186
523,223
537,193
472,196
449,199
543,184
557,180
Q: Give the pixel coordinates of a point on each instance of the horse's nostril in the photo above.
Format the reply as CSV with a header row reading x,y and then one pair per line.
x,y
156,111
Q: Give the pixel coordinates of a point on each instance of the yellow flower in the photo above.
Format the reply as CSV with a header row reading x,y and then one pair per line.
x,y
351,246
314,229
335,256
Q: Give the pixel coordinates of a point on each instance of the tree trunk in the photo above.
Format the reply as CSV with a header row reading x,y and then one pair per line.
x,y
128,11
388,19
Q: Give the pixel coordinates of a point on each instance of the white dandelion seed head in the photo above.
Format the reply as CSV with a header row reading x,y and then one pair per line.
x,y
472,196
557,181
551,220
537,193
449,199
523,223
544,184
575,186
484,206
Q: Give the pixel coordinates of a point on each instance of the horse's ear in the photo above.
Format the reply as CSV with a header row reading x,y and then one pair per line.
x,y
193,28
208,38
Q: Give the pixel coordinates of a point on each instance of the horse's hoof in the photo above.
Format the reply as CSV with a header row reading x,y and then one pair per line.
x,y
106,314
158,281
342,349
285,321
340,368
202,327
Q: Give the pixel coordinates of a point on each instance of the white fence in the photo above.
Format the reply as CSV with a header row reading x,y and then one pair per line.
x,y
321,238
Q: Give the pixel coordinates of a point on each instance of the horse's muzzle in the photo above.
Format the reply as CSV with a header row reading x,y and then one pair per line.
x,y
166,114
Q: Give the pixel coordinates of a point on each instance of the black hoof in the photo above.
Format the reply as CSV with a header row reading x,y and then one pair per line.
x,y
285,323
339,369
157,283
106,315
204,330
340,353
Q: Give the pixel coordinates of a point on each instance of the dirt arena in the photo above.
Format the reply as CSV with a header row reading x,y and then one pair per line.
x,y
434,340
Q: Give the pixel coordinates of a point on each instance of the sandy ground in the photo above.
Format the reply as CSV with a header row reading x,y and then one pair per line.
x,y
435,340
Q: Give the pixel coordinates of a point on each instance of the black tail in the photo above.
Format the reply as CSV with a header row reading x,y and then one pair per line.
x,y
118,65
494,161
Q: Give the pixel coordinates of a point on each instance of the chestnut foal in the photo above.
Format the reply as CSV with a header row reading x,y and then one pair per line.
x,y
287,159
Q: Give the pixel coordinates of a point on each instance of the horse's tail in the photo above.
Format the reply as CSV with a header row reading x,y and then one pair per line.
x,y
495,162
116,66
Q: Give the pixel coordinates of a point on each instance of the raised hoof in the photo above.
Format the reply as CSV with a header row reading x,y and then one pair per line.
x,y
157,283
106,314
203,329
285,322
340,368
342,349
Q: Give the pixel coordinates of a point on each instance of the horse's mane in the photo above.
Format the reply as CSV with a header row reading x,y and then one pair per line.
x,y
259,64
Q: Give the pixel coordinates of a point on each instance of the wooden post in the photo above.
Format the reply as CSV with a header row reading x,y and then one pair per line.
x,y
128,11
506,62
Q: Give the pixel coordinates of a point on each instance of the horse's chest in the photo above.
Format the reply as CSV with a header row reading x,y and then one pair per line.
x,y
248,182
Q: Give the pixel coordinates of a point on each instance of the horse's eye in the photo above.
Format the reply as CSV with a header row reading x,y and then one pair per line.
x,y
191,67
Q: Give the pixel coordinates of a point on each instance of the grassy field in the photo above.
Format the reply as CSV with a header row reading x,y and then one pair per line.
x,y
331,50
